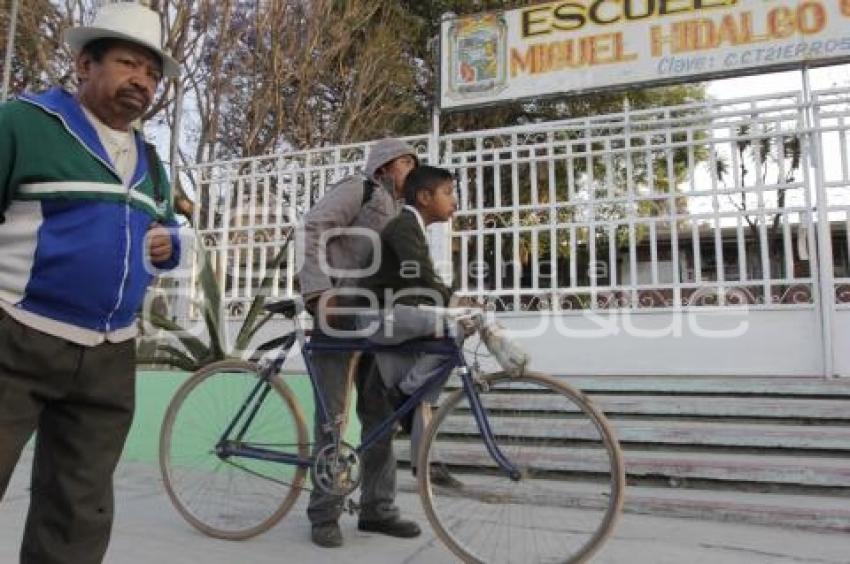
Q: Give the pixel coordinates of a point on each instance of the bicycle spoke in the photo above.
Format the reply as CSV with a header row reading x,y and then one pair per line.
x,y
570,490
225,498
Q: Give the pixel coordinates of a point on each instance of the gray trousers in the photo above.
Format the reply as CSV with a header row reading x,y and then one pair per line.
x,y
378,489
408,371
80,400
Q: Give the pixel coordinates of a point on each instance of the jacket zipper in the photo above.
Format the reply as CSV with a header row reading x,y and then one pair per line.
x,y
125,275
127,198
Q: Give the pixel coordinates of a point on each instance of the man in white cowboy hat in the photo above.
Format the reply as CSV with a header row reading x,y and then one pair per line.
x,y
85,223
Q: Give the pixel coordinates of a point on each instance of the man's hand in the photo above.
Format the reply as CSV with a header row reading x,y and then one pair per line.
x,y
159,243
468,327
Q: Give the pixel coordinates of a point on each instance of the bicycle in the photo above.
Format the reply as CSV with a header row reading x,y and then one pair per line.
x,y
541,469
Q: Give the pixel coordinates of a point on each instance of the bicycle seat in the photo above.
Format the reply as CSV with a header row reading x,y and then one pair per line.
x,y
285,307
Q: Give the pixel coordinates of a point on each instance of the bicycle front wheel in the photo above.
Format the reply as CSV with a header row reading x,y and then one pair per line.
x,y
231,497
571,483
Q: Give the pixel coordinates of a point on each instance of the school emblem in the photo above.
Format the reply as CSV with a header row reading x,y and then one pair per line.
x,y
477,56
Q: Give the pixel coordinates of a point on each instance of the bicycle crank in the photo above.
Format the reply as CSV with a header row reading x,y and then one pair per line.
x,y
337,471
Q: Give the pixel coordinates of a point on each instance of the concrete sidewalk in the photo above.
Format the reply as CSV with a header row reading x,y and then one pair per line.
x,y
148,529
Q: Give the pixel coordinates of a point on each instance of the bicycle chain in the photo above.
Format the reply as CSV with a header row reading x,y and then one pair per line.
x,y
269,478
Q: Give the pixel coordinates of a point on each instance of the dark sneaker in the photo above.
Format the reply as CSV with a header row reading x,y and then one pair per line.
x,y
327,535
440,476
392,527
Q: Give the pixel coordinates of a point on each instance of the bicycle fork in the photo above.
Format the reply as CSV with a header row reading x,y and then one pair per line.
x,y
478,412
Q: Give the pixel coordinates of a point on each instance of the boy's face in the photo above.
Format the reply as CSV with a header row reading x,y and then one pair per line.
x,y
439,204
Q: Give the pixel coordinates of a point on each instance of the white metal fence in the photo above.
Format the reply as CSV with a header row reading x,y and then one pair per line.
x,y
695,207
832,120
247,208
684,206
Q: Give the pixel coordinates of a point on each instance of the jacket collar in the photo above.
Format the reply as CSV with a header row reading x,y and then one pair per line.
x,y
62,104
418,217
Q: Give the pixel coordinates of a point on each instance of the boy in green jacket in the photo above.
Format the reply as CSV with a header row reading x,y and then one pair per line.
x,y
406,279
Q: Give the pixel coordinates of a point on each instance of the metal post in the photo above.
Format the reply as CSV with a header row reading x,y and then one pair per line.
x,y
175,132
10,49
440,235
826,284
434,139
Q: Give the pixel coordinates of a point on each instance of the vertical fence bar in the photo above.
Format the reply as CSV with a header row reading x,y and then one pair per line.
x,y
479,238
535,259
251,235
788,248
825,267
716,225
573,258
612,256
553,221
653,251
513,227
673,212
742,248
697,250
230,189
631,202
591,219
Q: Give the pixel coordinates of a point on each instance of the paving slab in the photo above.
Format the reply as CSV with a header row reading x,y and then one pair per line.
x,y
147,529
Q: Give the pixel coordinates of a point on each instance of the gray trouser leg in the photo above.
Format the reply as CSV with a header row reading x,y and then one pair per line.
x,y
416,432
403,323
406,370
427,365
378,463
377,492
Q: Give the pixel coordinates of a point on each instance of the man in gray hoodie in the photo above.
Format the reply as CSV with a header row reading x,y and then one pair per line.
x,y
355,210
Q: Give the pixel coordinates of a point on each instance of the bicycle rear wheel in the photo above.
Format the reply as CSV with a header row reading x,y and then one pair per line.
x,y
572,482
231,497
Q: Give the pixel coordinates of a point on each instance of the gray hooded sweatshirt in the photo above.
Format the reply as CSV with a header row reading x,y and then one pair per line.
x,y
338,235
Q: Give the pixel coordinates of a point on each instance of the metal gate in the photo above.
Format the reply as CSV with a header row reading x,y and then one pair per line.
x,y
708,238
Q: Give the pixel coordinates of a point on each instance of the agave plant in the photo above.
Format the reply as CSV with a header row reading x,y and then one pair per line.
x,y
194,353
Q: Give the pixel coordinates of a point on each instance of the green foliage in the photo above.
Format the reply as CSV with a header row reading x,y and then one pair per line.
x,y
193,353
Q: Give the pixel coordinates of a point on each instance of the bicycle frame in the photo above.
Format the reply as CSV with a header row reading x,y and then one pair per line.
x,y
445,346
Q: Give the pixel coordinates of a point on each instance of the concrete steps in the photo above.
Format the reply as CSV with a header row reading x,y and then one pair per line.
x,y
679,469
800,409
670,433
761,450
714,385
809,512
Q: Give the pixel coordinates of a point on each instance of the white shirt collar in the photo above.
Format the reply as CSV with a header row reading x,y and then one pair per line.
x,y
418,216
119,145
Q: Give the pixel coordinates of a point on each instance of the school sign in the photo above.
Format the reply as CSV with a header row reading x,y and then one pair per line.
x,y
587,45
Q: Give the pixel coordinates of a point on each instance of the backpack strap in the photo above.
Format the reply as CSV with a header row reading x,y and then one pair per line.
x,y
368,189
155,172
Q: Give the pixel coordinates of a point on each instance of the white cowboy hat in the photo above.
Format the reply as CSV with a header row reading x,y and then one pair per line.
x,y
128,21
